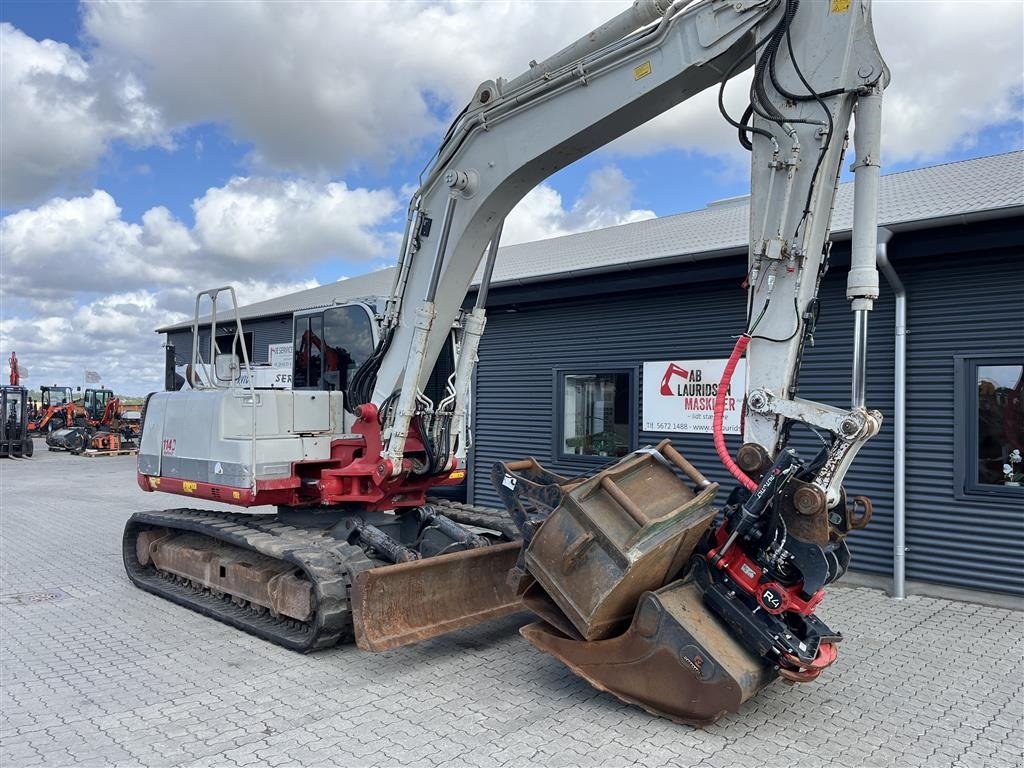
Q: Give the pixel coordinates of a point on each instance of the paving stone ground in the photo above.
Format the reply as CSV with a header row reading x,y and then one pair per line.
x,y
97,672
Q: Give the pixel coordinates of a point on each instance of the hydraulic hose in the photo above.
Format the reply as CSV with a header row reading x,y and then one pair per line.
x,y
723,387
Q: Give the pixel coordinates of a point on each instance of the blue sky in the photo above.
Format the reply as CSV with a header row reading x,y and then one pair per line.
x,y
270,147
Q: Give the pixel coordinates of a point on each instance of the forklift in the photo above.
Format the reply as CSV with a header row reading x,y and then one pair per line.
x,y
14,439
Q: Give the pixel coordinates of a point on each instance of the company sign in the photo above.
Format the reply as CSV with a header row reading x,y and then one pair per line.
x,y
266,377
679,396
280,356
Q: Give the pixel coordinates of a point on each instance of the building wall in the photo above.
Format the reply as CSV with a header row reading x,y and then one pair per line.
x,y
265,331
960,302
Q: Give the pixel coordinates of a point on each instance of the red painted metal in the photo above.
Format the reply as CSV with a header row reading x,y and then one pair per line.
x,y
749,576
355,472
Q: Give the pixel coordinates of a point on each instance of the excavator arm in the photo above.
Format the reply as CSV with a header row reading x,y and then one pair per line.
x,y
813,62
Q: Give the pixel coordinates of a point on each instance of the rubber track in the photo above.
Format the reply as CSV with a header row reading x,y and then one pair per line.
x,y
329,564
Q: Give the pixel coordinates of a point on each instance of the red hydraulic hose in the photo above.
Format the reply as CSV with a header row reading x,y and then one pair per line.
x,y
723,388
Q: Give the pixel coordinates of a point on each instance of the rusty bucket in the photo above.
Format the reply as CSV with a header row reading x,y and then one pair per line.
x,y
623,532
675,660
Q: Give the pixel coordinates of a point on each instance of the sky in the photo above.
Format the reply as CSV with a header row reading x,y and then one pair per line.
x,y
149,150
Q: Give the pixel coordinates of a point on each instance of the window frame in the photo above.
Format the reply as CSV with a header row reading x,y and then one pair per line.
x,y
248,339
559,375
965,430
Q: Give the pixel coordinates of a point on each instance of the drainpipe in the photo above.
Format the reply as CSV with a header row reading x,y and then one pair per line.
x,y
899,521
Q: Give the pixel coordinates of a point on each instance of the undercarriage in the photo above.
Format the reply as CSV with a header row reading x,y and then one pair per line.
x,y
639,584
288,578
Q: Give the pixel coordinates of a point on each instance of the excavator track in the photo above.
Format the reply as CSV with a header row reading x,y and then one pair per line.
x,y
329,565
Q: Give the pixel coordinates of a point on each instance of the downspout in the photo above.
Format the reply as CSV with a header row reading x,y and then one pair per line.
x,y
899,512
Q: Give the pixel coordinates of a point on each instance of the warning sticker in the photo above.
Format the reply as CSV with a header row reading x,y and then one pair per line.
x,y
840,6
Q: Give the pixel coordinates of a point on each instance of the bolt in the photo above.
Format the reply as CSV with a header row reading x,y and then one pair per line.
x,y
849,427
808,500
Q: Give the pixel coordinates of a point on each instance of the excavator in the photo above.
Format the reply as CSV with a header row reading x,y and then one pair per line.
x,y
639,582
56,410
96,423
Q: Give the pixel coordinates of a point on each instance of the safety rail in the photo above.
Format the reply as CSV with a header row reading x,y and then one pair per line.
x,y
212,375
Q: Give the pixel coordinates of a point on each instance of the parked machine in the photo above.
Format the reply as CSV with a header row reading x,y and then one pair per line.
x,y
15,441
637,585
55,411
96,423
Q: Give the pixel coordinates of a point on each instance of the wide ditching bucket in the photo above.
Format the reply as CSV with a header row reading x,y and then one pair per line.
x,y
396,605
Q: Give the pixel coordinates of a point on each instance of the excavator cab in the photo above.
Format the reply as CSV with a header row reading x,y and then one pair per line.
x,y
330,345
54,396
14,439
95,402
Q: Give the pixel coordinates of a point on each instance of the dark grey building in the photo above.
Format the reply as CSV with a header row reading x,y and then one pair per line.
x,y
573,320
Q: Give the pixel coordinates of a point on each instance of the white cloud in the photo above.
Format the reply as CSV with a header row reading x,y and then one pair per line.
x,y
326,86
82,244
331,86
114,335
956,68
268,221
249,228
59,117
84,288
606,201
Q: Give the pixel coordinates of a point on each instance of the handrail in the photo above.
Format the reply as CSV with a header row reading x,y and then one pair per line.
x,y
237,340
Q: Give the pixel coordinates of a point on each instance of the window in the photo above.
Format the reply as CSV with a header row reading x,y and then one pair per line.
x,y
226,344
990,426
308,342
348,337
598,413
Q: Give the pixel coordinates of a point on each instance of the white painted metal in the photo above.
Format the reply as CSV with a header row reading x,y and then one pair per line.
x,y
899,473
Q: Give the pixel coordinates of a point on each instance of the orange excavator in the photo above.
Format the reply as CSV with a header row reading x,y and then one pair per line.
x,y
97,423
56,410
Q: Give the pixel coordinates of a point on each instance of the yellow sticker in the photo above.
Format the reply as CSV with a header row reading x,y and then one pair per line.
x,y
236,495
645,69
154,482
840,6
457,474
188,486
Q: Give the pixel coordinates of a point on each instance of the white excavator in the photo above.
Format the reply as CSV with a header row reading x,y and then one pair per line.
x,y
639,583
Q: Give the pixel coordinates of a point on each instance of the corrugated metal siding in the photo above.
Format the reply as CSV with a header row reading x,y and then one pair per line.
x,y
971,304
514,390
266,331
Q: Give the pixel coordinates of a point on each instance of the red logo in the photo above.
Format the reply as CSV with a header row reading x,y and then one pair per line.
x,y
672,370
168,446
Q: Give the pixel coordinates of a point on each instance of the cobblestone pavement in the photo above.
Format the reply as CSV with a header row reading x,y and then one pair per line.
x,y
97,672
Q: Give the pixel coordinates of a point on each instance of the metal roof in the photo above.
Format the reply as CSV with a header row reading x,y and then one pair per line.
x,y
942,192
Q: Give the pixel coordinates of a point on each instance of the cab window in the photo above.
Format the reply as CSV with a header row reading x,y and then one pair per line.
x,y
308,354
348,342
